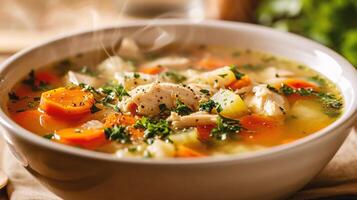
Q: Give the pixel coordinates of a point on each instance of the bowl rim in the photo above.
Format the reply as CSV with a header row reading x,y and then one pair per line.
x,y
343,122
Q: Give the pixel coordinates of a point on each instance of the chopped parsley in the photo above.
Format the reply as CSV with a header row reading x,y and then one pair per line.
x,y
94,109
204,91
330,102
226,128
178,78
13,96
114,91
118,134
49,136
237,74
208,106
136,75
88,88
34,84
164,111
181,108
153,129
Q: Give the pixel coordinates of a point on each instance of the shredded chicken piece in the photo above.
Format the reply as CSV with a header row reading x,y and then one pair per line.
x,y
149,97
265,102
130,80
128,48
114,64
171,62
77,78
194,119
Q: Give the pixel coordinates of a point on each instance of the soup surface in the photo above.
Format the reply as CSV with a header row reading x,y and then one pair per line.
x,y
192,101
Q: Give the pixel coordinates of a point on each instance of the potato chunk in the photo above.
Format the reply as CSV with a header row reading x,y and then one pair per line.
x,y
232,105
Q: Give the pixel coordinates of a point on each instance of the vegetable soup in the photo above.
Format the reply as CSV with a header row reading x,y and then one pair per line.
x,y
185,102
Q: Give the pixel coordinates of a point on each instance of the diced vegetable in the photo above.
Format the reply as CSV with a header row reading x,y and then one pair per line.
x,y
204,132
67,103
185,152
220,77
238,84
84,138
187,138
260,129
309,116
160,149
232,106
152,70
38,122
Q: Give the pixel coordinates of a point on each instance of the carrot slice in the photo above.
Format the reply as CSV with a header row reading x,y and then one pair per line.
x,y
297,84
125,120
115,119
84,138
238,84
204,132
212,63
185,152
67,103
260,129
152,70
40,123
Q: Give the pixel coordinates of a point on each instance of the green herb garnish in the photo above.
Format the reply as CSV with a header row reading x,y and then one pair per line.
x,y
226,128
94,109
178,78
181,108
204,91
153,129
208,106
118,134
237,74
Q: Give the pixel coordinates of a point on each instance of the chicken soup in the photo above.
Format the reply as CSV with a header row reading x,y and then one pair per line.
x,y
183,102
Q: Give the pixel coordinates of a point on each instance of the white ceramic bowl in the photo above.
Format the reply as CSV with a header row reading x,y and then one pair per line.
x,y
276,172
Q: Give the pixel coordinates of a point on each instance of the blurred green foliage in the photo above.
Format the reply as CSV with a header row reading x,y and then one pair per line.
x,y
330,22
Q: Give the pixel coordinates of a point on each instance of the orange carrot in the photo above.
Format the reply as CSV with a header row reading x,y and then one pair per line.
x,y
152,70
125,120
133,108
260,128
210,63
185,152
238,84
67,103
204,132
38,122
296,84
84,138
119,119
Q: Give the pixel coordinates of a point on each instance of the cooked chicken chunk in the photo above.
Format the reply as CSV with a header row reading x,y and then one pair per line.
x,y
265,102
77,78
218,78
171,62
129,49
130,80
149,97
114,64
194,119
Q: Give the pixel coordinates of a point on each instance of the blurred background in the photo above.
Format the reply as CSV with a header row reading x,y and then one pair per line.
x,y
330,22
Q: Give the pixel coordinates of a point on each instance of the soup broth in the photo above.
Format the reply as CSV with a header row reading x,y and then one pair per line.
x,y
183,102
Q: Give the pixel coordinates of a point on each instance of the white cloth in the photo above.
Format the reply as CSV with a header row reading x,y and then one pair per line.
x,y
338,178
